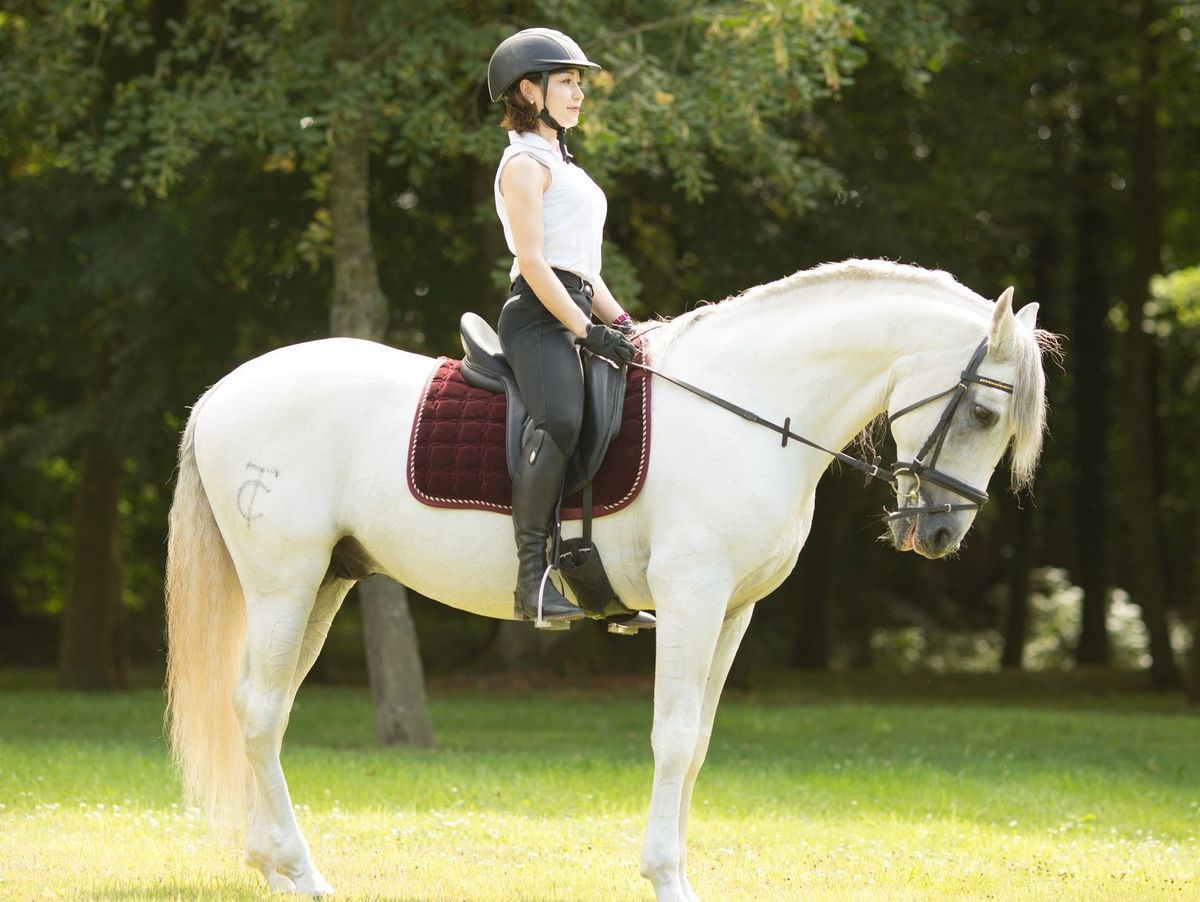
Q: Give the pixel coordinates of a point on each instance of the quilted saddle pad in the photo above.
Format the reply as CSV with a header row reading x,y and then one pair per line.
x,y
457,458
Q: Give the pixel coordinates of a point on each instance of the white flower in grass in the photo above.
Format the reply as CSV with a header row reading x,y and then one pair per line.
x,y
307,122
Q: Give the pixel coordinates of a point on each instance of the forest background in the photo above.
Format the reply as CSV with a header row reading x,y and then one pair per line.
x,y
186,184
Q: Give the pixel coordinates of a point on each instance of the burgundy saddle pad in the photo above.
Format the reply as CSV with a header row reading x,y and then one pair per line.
x,y
457,458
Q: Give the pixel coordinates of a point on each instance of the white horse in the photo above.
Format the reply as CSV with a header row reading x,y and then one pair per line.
x,y
302,451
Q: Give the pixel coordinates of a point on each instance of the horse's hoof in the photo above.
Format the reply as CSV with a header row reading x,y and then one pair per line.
x,y
315,886
279,883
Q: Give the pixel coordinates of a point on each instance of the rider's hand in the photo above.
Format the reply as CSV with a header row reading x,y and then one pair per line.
x,y
625,324
605,341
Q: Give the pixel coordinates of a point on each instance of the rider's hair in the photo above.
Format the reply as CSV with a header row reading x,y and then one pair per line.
x,y
520,115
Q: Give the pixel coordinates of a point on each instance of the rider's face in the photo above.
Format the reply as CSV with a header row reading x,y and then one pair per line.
x,y
564,96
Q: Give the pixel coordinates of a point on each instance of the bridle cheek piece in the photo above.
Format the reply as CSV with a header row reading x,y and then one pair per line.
x,y
919,469
923,466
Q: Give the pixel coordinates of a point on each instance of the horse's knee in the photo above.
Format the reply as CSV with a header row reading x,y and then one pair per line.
x,y
674,743
261,716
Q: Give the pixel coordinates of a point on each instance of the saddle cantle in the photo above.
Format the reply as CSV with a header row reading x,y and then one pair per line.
x,y
485,367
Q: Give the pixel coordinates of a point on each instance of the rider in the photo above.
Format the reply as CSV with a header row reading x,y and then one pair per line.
x,y
553,217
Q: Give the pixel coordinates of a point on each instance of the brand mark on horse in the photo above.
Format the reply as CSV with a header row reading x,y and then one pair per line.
x,y
246,505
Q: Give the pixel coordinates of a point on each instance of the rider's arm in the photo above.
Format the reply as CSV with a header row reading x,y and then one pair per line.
x,y
604,305
522,183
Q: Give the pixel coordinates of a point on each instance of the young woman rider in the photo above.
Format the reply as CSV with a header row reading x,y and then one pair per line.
x,y
553,217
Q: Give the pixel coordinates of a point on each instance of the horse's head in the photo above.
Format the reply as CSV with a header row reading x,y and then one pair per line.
x,y
952,421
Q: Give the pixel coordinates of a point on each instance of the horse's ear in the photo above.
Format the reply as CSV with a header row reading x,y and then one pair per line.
x,y
1000,334
1027,316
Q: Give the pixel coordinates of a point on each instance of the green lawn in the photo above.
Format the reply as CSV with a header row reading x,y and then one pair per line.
x,y
814,789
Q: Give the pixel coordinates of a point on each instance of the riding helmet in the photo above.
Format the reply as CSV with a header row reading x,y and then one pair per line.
x,y
532,50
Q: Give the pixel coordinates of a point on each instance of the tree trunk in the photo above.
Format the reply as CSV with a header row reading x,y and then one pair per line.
x,y
394,665
1091,355
810,585
360,310
1193,686
518,647
90,657
1149,560
1016,618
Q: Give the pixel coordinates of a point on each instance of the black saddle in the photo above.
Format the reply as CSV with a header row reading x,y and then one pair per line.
x,y
578,559
484,367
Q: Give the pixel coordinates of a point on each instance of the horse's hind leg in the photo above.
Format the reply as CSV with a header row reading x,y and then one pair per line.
x,y
260,852
276,624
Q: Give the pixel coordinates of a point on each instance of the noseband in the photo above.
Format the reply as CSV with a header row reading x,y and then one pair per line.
x,y
919,468
922,467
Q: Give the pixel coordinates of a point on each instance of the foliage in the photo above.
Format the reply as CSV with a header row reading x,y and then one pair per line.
x,y
164,186
164,215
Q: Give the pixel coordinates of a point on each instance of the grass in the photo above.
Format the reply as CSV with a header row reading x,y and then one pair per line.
x,y
814,789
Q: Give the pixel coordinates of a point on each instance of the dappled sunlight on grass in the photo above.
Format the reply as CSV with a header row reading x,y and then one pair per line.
x,y
543,796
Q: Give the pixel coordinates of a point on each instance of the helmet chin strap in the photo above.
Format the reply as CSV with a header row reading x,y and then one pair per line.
x,y
544,116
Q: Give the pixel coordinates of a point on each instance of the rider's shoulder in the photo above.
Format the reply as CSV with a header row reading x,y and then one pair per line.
x,y
526,170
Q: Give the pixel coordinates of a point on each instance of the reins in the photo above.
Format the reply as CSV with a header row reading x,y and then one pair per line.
x,y
873,470
917,469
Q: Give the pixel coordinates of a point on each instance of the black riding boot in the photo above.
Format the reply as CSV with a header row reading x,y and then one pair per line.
x,y
536,491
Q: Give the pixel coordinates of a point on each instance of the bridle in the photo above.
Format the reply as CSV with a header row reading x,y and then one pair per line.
x,y
922,468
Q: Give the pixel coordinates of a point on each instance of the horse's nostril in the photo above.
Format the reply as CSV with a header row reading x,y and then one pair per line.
x,y
943,538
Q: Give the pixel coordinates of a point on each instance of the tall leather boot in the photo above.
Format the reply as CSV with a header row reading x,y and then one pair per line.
x,y
536,489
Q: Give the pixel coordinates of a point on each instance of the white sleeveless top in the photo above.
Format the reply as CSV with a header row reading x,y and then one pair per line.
x,y
573,209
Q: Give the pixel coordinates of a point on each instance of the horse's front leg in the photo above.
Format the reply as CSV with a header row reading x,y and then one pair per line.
x,y
728,641
690,614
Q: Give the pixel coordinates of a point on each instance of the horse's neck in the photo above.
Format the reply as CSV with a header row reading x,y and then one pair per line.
x,y
826,359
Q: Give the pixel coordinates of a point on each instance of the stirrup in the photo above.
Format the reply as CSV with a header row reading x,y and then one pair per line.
x,y
523,614
630,624
541,623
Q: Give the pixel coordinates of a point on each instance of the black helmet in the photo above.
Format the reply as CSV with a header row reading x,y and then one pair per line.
x,y
532,50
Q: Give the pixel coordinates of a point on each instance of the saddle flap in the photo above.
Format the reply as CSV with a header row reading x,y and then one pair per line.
x,y
604,399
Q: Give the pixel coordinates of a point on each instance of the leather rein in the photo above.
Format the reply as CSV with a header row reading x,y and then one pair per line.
x,y
920,468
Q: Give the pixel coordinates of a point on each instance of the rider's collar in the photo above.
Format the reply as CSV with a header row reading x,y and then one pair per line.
x,y
533,141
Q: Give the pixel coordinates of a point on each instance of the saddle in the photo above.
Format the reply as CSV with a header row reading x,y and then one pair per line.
x,y
484,367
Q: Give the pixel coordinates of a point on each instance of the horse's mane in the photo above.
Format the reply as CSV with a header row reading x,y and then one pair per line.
x,y
1029,407
847,270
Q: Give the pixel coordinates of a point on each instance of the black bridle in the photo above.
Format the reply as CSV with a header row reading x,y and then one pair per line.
x,y
920,468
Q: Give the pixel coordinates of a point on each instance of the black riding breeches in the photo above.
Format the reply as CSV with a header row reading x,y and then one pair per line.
x,y
545,360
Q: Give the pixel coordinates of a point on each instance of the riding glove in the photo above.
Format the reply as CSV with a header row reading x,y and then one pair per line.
x,y
606,342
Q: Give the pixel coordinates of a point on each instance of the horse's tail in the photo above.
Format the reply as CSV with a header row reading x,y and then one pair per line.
x,y
206,627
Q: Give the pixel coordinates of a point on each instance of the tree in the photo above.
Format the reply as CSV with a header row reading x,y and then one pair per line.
x,y
360,310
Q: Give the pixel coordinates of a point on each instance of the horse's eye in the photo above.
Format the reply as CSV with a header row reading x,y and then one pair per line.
x,y
982,415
